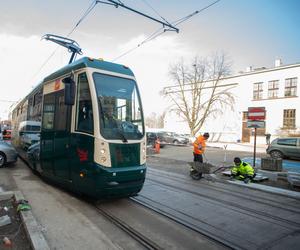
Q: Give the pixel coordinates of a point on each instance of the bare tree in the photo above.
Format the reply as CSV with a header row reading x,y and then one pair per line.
x,y
155,120
198,92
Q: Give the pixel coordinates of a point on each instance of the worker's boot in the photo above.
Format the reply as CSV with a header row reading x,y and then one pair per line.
x,y
246,180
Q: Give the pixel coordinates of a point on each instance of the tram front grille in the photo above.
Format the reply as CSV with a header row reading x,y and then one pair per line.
x,y
125,155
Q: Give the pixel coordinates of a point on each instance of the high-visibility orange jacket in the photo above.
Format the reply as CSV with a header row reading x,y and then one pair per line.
x,y
199,145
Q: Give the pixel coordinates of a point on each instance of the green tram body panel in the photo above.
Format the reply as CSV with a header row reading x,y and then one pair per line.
x,y
96,181
68,158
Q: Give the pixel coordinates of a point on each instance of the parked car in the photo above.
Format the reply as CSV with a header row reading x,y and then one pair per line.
x,y
152,136
288,147
173,138
8,154
29,132
33,154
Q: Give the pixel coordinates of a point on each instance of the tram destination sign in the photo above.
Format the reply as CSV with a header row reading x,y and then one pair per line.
x,y
256,113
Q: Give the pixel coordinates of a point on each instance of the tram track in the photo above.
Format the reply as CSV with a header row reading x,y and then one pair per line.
x,y
239,194
140,238
229,244
281,218
236,207
152,230
226,238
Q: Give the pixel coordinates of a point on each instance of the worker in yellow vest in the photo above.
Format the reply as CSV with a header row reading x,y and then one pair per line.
x,y
242,170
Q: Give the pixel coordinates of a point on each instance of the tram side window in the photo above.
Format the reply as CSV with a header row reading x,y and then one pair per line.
x,y
84,114
60,113
48,111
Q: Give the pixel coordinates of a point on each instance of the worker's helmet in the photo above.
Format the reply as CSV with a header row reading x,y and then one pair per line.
x,y
206,135
237,160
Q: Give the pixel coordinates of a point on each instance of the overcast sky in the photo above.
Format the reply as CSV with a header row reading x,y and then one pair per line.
x,y
253,32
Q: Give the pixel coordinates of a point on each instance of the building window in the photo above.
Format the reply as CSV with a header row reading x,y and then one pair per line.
x,y
290,87
257,90
289,118
273,87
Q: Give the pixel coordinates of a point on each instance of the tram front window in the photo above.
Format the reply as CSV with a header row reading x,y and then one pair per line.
x,y
119,107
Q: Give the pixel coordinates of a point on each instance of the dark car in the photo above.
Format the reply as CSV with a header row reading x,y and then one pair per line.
x,y
33,154
288,147
152,137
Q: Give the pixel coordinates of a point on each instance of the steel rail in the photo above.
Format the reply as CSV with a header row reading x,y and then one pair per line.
x,y
214,237
144,241
236,193
234,206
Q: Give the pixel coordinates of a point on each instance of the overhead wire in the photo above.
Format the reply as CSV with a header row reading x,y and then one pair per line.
x,y
194,13
89,9
155,34
155,11
158,33
6,100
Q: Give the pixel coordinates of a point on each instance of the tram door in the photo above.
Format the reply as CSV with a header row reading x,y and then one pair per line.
x,y
55,137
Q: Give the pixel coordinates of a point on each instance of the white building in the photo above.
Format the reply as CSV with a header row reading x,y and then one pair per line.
x,y
276,89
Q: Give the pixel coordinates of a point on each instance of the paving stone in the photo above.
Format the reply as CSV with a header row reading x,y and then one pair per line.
x,y
294,179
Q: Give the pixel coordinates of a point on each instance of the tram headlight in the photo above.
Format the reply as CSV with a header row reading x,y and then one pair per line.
x,y
103,159
102,151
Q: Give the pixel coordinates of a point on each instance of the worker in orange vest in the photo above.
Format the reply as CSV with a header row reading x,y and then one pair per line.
x,y
157,145
199,148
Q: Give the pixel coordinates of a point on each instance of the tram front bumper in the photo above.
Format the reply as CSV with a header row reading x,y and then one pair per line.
x,y
121,181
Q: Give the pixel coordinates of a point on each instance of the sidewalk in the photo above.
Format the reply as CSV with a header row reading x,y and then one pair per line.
x,y
246,147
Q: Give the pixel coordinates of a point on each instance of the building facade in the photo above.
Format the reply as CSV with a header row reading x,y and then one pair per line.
x,y
275,89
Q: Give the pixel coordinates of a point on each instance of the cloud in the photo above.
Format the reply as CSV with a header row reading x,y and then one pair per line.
x,y
150,64
21,60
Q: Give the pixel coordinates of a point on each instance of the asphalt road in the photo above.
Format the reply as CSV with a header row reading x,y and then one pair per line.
x,y
218,156
215,156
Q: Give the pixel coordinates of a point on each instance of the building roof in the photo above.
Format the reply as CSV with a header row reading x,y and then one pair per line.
x,y
264,70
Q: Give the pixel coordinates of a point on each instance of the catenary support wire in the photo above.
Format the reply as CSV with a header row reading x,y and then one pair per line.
x,y
160,31
118,4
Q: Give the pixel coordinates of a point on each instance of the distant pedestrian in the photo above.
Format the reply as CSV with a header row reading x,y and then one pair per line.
x,y
242,170
268,137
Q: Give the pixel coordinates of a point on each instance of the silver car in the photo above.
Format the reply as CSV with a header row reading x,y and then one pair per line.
x,y
7,153
288,147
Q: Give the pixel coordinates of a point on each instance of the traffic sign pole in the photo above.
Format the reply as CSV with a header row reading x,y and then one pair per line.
x,y
254,156
256,119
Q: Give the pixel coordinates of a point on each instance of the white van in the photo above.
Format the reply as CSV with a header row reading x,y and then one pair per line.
x,y
29,132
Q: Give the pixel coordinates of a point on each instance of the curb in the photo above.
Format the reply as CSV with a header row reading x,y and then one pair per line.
x,y
255,186
36,238
268,189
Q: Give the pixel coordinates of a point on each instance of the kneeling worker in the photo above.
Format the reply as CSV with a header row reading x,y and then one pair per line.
x,y
242,170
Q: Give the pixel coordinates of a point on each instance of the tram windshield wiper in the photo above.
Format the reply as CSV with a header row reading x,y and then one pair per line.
x,y
124,139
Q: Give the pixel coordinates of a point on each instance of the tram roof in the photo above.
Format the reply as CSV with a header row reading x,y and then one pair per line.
x,y
92,63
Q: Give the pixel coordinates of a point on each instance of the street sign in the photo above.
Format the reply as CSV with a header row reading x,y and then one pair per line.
x,y
256,124
256,113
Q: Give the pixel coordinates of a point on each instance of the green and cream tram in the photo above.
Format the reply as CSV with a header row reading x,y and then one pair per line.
x,y
92,137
